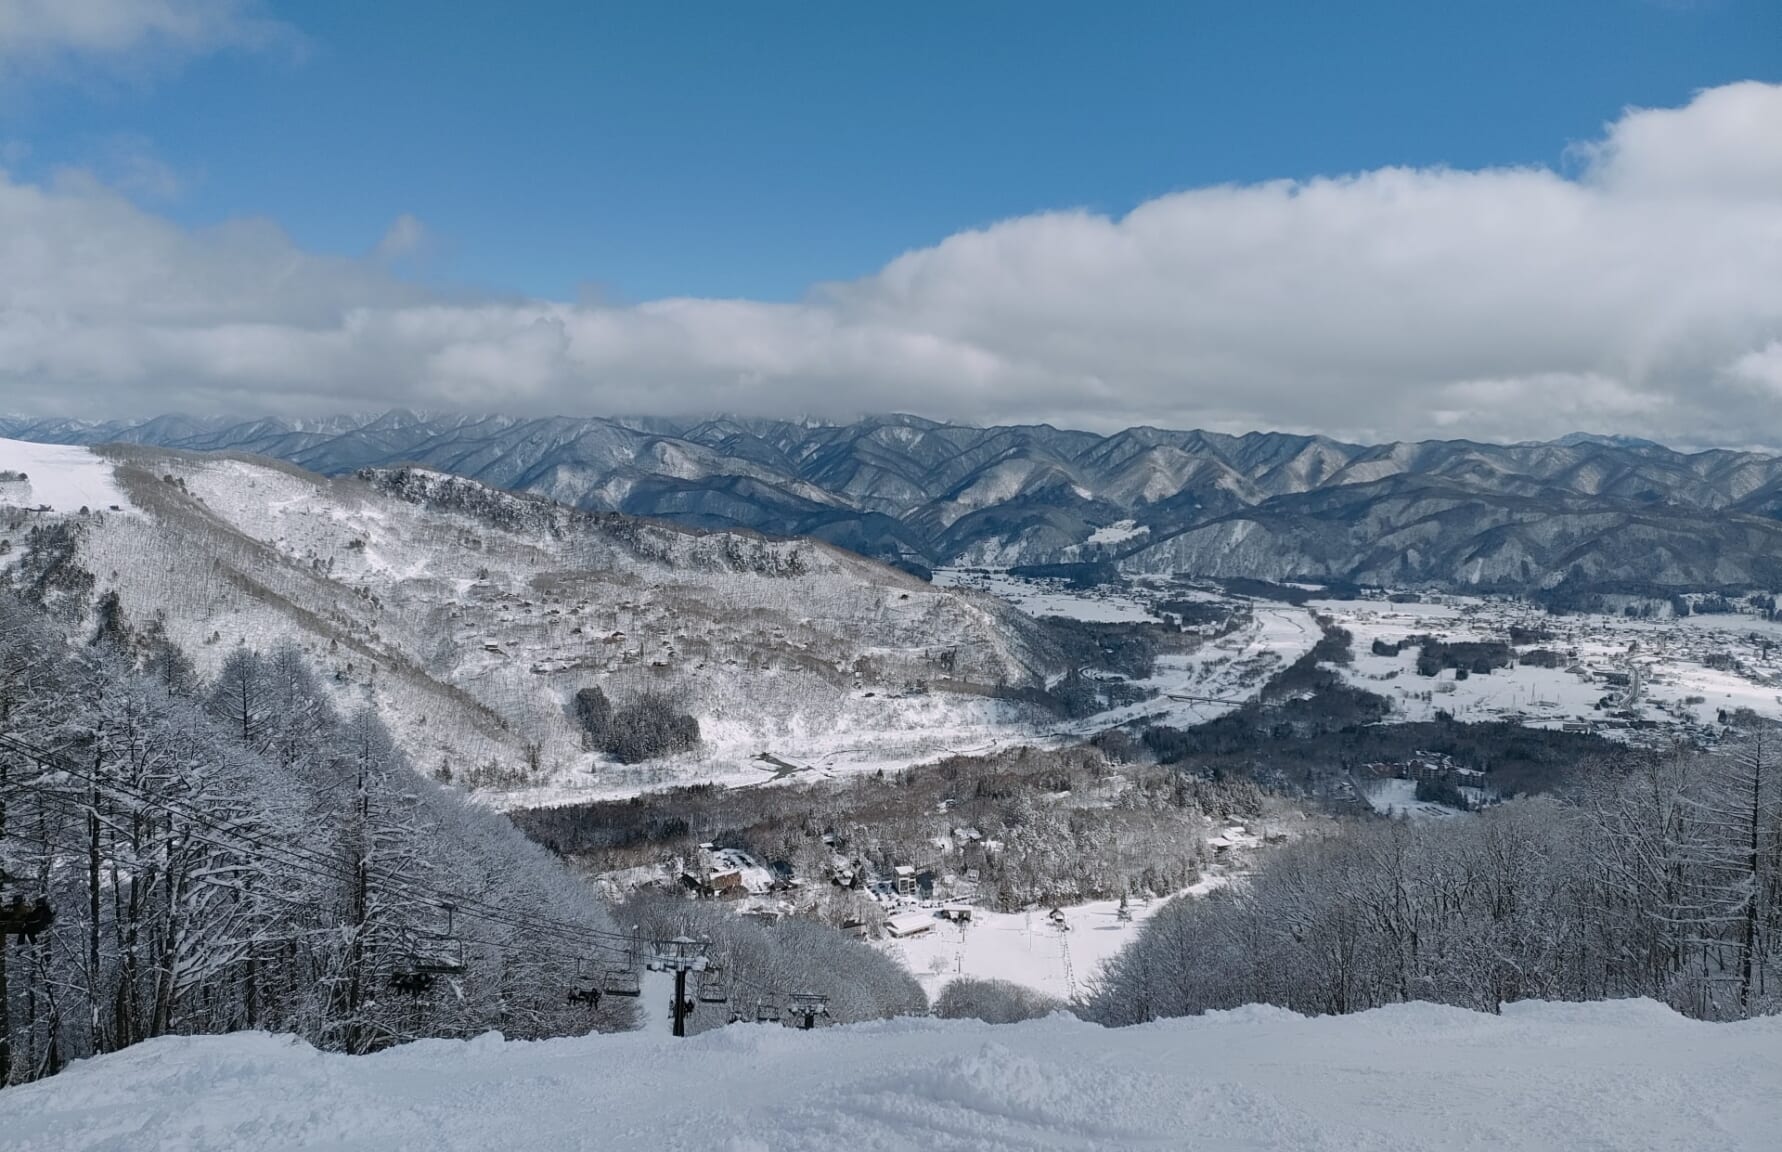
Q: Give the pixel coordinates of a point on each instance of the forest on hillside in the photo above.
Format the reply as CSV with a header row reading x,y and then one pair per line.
x,y
189,855
1655,876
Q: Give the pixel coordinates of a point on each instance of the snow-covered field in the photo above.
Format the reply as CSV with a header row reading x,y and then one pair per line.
x,y
1399,798
1049,597
1026,947
1618,1075
64,477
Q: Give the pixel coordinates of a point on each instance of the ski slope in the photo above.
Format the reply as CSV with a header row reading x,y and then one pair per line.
x,y
65,477
1618,1075
1026,947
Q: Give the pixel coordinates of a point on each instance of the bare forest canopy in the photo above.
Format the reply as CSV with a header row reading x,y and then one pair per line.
x,y
235,852
1658,876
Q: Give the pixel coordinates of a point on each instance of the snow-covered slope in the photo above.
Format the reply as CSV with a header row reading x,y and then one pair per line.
x,y
62,478
472,617
1619,1075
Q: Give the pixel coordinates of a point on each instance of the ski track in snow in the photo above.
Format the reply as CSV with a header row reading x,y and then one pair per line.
x,y
1616,1075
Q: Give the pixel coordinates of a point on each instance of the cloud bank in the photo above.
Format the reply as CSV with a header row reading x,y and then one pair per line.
x,y
42,34
1638,291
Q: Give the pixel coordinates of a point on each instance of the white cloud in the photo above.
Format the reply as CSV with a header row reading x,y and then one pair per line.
x,y
1642,295
405,237
35,34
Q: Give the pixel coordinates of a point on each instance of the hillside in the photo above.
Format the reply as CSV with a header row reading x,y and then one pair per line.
x,y
906,488
472,617
1623,1075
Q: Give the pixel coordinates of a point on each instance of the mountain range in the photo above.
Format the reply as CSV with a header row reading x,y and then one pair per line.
x,y
1601,510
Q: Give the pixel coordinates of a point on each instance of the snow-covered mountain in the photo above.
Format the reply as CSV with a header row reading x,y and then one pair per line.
x,y
472,616
1620,1074
900,487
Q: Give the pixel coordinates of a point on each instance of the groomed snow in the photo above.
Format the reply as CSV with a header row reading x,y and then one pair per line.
x,y
1620,1075
1026,947
66,477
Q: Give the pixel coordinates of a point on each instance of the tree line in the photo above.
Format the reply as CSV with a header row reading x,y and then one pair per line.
x,y
1659,877
240,853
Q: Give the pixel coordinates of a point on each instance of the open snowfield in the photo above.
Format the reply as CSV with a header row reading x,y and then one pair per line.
x,y
1621,1075
1025,947
1399,798
65,477
1049,597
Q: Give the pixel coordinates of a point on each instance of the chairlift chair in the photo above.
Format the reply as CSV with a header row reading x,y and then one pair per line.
x,y
585,988
711,986
807,1007
766,1013
621,982
439,956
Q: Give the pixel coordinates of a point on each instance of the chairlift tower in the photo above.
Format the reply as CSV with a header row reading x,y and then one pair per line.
x,y
681,955
807,1006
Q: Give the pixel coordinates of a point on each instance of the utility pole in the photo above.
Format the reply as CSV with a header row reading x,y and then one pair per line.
x,y
680,956
1070,977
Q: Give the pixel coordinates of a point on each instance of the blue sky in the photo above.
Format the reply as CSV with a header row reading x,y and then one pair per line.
x,y
753,149
1503,220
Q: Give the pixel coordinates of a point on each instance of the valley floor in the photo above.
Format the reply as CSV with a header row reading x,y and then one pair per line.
x,y
1617,1075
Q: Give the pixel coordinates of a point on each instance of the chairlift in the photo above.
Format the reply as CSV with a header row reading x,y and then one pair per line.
x,y
805,1009
439,956
711,986
585,988
766,1013
621,982
430,956
18,918
412,982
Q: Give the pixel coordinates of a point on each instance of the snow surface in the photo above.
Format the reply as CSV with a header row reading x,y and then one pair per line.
x,y
1399,798
1101,605
1118,532
1617,1075
66,477
1025,947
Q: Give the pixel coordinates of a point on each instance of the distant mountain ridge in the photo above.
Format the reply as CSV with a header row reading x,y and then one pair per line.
x,y
1456,512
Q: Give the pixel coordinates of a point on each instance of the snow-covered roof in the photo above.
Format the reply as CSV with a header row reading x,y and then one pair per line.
x,y
910,923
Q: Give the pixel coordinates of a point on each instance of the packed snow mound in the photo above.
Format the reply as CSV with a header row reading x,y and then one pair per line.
x,y
1620,1075
63,477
